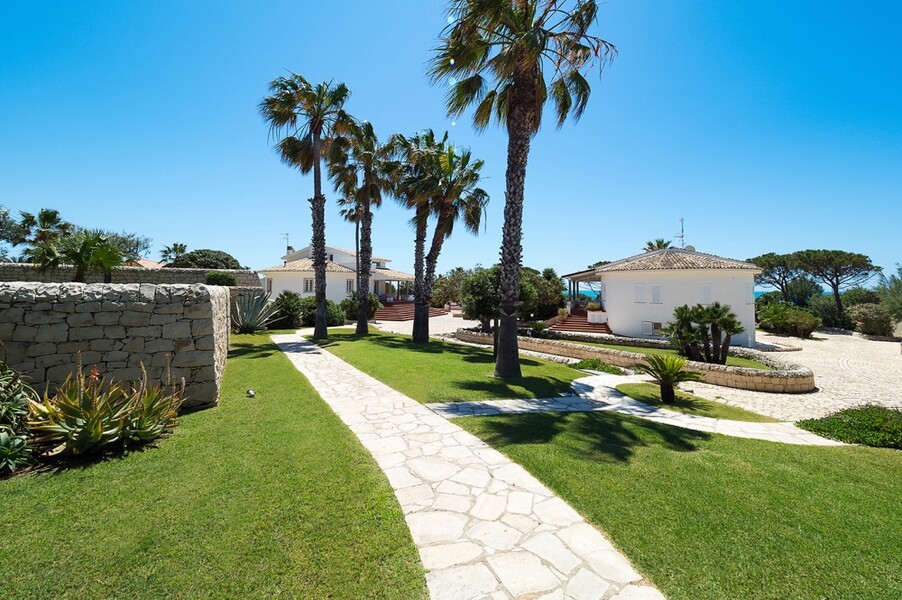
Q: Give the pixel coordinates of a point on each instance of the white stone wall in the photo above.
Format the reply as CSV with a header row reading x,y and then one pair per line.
x,y
626,315
26,272
118,327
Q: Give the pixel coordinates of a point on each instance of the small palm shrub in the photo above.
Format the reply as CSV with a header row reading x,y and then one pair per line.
x,y
667,370
220,278
785,319
15,394
87,415
872,319
253,313
703,333
595,364
291,310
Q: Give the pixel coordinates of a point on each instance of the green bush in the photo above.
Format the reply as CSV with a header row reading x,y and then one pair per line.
x,y
220,278
15,395
824,308
87,415
348,306
595,364
876,426
291,311
856,296
205,259
872,319
784,319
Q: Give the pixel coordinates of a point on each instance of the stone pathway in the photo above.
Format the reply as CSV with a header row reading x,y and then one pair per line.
x,y
484,526
598,393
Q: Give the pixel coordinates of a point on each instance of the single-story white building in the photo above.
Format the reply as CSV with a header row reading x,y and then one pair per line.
x,y
639,294
295,274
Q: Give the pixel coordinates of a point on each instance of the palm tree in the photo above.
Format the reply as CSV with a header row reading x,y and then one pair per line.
x,y
47,227
506,59
351,213
658,244
360,167
666,370
723,325
309,116
87,251
173,252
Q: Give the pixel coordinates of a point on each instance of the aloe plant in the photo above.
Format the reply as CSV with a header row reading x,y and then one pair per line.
x,y
15,452
667,370
253,313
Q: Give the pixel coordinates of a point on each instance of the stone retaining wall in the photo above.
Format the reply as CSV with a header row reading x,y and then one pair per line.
x,y
785,378
27,272
118,327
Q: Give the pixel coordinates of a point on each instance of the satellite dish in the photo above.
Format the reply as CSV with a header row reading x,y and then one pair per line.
x,y
690,248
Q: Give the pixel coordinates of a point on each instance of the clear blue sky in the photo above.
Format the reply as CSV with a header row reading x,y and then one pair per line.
x,y
769,126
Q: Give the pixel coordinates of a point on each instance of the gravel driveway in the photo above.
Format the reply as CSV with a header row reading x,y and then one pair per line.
x,y
848,370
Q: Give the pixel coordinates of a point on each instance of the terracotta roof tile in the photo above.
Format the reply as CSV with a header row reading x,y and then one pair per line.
x,y
675,259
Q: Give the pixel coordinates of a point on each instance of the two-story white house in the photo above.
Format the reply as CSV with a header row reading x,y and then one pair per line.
x,y
295,274
639,294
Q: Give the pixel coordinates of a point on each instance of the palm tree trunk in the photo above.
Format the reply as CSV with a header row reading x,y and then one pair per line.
x,y
366,259
667,393
715,342
357,252
318,245
420,328
438,239
507,361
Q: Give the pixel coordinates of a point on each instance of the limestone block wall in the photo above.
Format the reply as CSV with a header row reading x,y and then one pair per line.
x,y
118,327
785,378
26,272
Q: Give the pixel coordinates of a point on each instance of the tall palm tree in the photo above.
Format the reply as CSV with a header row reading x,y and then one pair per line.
x,y
658,244
36,230
173,252
506,59
306,117
351,213
360,168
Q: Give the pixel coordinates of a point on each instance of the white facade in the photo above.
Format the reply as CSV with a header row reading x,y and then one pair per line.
x,y
638,302
337,284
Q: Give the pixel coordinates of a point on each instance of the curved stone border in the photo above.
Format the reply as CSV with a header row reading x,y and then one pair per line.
x,y
786,378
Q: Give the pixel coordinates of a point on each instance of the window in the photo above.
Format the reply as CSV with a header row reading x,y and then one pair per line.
x,y
651,328
308,286
656,294
749,293
268,285
640,292
350,287
331,258
706,294
656,327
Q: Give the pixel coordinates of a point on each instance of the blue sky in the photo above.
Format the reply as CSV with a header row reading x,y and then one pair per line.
x,y
768,126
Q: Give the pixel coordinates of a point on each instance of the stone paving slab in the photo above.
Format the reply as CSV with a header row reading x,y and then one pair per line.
x,y
598,393
484,527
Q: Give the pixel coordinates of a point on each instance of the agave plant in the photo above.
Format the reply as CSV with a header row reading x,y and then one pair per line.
x,y
154,410
15,452
14,397
254,313
667,370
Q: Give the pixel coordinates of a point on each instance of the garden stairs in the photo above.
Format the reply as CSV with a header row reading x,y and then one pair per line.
x,y
403,311
578,322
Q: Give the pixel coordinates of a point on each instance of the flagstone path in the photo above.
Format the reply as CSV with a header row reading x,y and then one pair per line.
x,y
598,393
484,526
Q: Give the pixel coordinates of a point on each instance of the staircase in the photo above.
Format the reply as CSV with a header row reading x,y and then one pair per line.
x,y
403,311
578,322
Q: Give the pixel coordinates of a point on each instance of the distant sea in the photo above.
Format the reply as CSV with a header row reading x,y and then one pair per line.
x,y
592,294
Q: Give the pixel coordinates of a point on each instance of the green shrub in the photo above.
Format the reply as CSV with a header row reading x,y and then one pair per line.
x,y
15,395
291,309
87,415
220,278
253,313
856,296
595,364
348,306
667,370
205,259
824,307
872,319
785,319
876,426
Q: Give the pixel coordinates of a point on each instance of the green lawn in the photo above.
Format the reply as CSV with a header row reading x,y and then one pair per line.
x,y
733,361
650,393
264,497
713,517
443,371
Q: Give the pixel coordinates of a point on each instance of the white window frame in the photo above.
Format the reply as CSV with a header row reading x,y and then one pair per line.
x,y
656,288
648,328
639,297
350,285
707,293
308,285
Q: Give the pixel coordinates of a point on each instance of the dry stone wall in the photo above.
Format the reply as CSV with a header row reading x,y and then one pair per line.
x,y
118,327
785,378
26,272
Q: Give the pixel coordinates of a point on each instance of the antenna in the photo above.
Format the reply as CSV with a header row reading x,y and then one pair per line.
x,y
681,235
285,237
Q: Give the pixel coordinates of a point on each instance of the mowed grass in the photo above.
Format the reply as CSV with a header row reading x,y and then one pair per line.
x,y
650,393
712,517
265,497
445,372
732,361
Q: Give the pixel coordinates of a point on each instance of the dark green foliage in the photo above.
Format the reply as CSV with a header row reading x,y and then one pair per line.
x,y
595,364
890,291
703,333
15,394
824,307
871,319
349,306
480,297
549,292
220,278
777,270
292,310
859,295
783,319
837,269
447,288
802,289
876,426
205,259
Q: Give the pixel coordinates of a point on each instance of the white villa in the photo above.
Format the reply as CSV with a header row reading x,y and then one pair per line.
x,y
295,274
638,294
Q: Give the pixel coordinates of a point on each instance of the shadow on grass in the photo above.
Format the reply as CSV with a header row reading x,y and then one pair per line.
x,y
250,350
598,436
542,387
